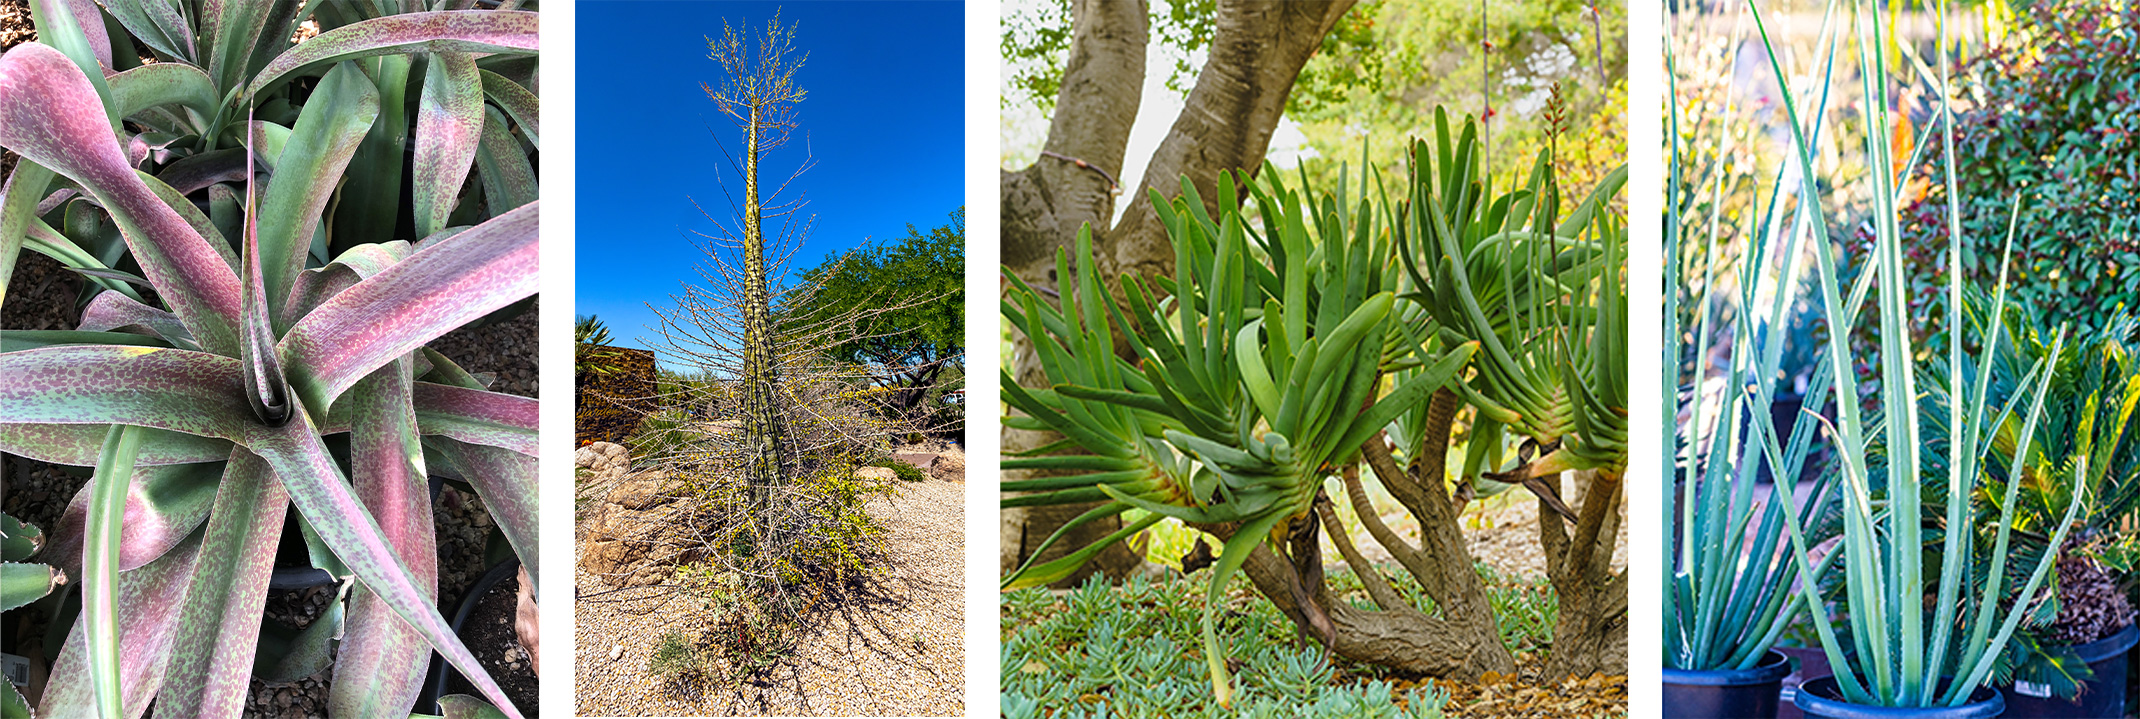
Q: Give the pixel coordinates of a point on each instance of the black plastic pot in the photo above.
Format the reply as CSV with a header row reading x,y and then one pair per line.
x,y
1729,693
1812,664
1822,699
2103,696
435,682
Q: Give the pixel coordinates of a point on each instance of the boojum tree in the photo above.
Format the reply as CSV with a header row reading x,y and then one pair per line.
x,y
758,92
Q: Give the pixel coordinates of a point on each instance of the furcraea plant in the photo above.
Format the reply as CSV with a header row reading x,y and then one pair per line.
x,y
209,416
1279,358
1919,633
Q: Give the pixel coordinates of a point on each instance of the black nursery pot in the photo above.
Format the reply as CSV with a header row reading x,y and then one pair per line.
x,y
1822,699
435,681
2103,696
1732,693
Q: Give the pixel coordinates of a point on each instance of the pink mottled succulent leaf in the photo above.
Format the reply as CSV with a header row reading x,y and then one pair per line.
x,y
517,102
196,172
164,83
219,627
62,25
101,557
307,172
478,417
77,445
453,31
111,311
380,667
506,482
149,599
432,292
315,285
178,390
462,706
325,499
50,114
508,179
449,125
156,23
164,504
18,206
20,340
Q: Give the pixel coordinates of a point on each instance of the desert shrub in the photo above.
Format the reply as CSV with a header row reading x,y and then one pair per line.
x,y
2054,127
907,472
675,657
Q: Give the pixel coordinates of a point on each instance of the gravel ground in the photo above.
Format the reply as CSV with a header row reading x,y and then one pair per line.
x,y
901,657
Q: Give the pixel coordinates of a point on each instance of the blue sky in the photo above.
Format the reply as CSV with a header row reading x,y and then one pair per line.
x,y
884,122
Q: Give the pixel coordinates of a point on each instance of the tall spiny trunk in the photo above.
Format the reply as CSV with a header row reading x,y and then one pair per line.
x,y
761,374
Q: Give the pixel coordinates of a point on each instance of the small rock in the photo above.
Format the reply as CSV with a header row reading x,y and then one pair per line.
x,y
616,652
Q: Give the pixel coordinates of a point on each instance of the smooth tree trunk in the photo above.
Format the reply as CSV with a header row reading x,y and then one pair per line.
x,y
1256,52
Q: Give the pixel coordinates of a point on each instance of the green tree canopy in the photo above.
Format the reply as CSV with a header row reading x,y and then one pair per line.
x,y
914,289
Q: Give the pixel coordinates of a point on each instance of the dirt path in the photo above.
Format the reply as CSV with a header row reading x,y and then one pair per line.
x,y
900,653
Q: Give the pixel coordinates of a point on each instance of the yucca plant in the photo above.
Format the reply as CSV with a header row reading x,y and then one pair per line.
x,y
295,313
1902,650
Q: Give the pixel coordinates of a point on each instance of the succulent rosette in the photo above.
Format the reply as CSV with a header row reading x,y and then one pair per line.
x,y
255,186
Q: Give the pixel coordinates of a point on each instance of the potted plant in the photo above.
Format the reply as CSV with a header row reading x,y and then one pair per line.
x,y
1728,596
1926,608
2070,662
285,314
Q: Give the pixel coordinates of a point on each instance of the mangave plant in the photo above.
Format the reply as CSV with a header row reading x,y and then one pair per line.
x,y
285,365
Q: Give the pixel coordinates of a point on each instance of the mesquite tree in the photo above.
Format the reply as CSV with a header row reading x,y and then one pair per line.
x,y
759,94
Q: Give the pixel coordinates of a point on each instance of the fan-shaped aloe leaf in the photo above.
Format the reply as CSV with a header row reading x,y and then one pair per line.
x,y
433,291
449,125
310,168
163,507
164,83
518,102
212,656
324,498
488,31
50,115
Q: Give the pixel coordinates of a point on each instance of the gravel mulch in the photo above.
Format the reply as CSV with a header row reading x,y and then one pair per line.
x,y
901,657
